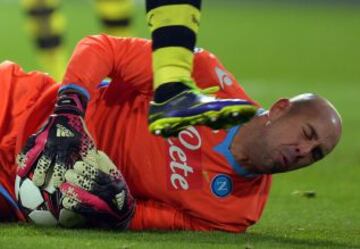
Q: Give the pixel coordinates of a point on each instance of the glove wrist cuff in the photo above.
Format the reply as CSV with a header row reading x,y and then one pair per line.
x,y
72,100
75,89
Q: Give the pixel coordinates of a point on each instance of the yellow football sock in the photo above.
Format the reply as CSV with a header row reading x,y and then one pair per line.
x,y
174,26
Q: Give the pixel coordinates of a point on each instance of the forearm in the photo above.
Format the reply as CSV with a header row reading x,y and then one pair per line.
x,y
93,60
152,215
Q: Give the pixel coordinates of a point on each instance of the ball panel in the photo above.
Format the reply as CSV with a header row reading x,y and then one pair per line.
x,y
50,189
30,195
43,217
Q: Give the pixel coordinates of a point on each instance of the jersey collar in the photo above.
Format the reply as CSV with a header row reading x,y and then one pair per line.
x,y
224,149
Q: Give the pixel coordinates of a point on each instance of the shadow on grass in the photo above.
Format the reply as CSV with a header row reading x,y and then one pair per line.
x,y
238,239
248,238
306,243
185,238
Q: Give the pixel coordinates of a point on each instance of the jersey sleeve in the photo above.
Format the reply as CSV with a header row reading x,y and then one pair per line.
x,y
128,61
152,215
121,59
209,72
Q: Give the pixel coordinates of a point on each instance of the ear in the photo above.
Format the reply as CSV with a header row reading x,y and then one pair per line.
x,y
279,108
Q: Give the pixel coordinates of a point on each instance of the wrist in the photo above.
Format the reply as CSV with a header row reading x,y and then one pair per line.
x,y
72,99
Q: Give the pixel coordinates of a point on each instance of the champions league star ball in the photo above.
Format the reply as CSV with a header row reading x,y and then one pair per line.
x,y
41,206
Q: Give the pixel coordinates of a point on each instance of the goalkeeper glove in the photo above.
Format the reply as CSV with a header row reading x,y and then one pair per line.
x,y
61,142
98,192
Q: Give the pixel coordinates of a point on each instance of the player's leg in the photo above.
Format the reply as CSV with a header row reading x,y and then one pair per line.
x,y
177,102
174,25
115,16
46,26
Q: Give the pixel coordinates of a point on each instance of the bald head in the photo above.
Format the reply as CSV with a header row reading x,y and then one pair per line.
x,y
294,133
319,110
315,104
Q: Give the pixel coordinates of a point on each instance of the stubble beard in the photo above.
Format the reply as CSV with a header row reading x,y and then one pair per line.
x,y
259,154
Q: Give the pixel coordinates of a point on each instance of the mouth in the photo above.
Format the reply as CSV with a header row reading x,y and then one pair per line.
x,y
284,161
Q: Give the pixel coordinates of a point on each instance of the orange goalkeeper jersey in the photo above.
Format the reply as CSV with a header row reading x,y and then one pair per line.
x,y
19,92
191,182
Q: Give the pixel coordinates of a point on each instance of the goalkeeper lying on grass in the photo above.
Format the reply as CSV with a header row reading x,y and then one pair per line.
x,y
199,179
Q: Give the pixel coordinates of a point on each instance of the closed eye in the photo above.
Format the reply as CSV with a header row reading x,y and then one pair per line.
x,y
313,134
306,134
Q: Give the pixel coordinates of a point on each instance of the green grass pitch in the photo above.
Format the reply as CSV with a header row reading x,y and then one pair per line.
x,y
274,50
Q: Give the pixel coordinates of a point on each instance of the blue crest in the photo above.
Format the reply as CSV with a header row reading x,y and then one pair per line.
x,y
221,185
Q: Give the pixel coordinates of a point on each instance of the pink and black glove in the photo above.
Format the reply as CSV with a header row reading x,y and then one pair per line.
x,y
61,142
96,192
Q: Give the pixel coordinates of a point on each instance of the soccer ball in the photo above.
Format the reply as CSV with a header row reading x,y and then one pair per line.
x,y
42,206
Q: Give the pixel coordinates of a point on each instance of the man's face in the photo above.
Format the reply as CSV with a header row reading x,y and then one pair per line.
x,y
293,139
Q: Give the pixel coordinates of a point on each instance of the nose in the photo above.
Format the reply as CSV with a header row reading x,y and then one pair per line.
x,y
303,149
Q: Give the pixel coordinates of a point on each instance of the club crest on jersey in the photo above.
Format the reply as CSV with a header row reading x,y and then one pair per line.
x,y
223,77
221,185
